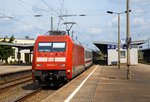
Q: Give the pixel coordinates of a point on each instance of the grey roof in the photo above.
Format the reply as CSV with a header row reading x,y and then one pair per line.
x,y
105,43
113,43
138,42
24,46
146,49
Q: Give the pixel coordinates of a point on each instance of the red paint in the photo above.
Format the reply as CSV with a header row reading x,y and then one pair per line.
x,y
74,55
88,61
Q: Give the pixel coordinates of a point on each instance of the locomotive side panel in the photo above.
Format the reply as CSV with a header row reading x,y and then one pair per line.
x,y
78,60
69,55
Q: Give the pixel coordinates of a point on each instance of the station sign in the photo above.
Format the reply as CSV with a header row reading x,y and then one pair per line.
x,y
114,46
111,46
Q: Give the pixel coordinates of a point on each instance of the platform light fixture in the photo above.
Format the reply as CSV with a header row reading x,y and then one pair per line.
x,y
111,12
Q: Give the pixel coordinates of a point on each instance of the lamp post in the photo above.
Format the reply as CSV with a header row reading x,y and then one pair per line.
x,y
110,12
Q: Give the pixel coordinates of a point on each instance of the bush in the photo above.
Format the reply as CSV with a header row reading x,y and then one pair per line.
x,y
5,79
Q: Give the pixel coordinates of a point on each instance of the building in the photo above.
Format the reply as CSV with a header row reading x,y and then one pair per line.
x,y
110,51
23,53
145,54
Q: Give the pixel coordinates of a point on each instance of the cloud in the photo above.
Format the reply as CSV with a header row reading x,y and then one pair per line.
x,y
22,28
110,24
116,1
138,21
142,2
28,28
114,21
6,22
138,12
148,21
95,31
140,25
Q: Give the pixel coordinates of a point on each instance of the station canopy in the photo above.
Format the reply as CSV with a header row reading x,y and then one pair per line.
x,y
103,45
21,46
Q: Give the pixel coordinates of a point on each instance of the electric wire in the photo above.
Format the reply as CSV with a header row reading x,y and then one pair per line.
x,y
50,7
24,8
90,46
62,4
14,19
33,6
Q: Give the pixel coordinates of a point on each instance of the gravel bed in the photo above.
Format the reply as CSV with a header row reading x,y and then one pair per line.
x,y
43,94
18,91
12,83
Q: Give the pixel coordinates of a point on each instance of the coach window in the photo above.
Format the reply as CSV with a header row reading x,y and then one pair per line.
x,y
59,46
45,47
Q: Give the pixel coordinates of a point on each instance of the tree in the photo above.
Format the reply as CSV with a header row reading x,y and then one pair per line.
x,y
102,55
5,50
12,38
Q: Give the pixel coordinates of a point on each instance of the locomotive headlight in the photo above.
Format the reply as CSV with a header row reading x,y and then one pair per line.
x,y
68,72
62,65
39,65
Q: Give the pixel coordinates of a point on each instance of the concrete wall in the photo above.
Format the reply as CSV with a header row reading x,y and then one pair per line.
x,y
113,56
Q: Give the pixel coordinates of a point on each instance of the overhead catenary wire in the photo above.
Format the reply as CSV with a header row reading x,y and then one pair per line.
x,y
14,19
25,8
90,46
5,16
50,7
20,2
53,10
33,6
23,3
83,35
61,9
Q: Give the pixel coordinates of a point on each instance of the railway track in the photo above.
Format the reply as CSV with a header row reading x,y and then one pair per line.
x,y
16,79
28,95
15,82
11,92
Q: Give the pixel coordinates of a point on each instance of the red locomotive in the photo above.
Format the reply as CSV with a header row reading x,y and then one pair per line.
x,y
58,58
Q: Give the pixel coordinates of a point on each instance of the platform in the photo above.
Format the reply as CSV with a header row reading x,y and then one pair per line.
x,y
7,69
106,84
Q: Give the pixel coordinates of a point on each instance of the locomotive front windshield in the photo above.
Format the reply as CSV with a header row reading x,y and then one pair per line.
x,y
51,47
59,47
45,47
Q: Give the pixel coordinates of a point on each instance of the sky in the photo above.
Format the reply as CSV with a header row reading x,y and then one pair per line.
x,y
97,25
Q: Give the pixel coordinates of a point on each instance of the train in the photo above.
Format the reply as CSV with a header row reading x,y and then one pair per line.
x,y
58,59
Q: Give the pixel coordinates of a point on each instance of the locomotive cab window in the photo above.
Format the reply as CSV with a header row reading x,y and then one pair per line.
x,y
44,47
59,46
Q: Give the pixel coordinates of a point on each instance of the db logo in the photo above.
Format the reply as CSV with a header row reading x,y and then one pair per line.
x,y
51,64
